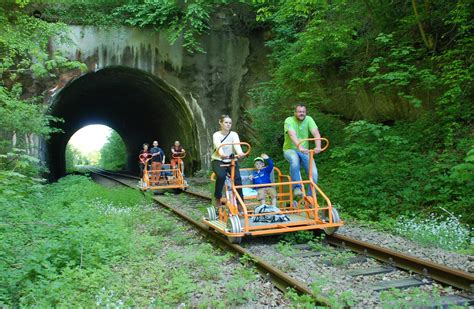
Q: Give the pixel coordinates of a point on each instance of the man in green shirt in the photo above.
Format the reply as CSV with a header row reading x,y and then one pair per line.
x,y
297,128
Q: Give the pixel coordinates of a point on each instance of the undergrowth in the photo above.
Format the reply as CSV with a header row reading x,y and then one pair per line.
x,y
75,243
61,237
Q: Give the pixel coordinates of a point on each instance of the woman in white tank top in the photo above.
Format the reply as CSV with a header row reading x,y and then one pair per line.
x,y
225,136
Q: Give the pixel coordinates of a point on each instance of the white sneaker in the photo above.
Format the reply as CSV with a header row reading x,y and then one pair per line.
x,y
297,192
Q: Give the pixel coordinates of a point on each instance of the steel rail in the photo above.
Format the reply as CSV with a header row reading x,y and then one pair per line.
x,y
280,279
450,276
446,275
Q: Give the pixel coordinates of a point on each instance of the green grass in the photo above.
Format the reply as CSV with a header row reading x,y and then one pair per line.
x,y
77,244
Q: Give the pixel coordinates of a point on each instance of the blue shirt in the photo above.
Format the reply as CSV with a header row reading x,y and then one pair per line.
x,y
263,176
159,157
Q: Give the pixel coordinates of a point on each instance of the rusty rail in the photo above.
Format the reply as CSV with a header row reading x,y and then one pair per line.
x,y
453,277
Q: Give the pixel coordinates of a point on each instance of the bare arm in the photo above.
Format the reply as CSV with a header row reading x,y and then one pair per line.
x,y
295,140
238,148
316,134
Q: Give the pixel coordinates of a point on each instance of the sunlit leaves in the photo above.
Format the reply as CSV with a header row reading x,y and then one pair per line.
x,y
188,20
24,45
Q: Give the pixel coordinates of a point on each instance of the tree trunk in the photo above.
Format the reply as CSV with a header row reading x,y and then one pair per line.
x,y
427,42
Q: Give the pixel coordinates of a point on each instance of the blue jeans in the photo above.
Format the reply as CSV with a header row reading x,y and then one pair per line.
x,y
295,157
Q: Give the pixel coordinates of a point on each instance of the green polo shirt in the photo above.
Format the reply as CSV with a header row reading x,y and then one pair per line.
x,y
302,129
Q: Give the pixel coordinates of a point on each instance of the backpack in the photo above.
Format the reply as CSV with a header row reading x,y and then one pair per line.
x,y
269,218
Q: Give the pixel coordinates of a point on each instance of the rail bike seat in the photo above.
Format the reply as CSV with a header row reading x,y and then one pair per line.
x,y
249,193
166,170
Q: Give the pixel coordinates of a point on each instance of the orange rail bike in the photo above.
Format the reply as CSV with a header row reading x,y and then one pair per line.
x,y
167,177
313,211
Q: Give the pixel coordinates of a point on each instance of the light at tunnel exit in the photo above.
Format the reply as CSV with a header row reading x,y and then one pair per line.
x,y
91,138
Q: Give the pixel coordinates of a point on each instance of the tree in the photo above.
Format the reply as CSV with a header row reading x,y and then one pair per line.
x,y
113,154
24,58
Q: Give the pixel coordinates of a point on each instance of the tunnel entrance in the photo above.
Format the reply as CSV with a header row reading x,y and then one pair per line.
x,y
139,106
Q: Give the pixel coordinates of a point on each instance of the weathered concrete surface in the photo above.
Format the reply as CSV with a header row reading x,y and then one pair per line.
x,y
192,90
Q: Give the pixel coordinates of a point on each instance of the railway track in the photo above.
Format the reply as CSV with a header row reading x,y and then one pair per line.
x,y
389,260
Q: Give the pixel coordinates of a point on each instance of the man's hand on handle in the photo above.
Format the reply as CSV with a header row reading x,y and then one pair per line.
x,y
303,150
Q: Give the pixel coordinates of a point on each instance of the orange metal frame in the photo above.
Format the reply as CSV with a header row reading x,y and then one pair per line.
x,y
308,206
176,181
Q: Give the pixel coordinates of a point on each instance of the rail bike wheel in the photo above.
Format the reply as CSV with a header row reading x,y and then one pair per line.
x,y
335,219
235,227
211,213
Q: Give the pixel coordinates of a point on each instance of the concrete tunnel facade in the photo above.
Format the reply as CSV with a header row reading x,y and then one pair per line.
x,y
139,106
146,88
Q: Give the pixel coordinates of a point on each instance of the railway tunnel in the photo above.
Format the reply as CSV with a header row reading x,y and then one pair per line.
x,y
139,106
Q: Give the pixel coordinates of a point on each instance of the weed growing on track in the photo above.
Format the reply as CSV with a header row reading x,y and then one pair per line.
x,y
285,248
317,243
299,237
338,258
321,288
446,233
237,293
411,298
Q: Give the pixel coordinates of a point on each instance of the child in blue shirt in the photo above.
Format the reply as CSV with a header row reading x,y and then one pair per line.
x,y
262,176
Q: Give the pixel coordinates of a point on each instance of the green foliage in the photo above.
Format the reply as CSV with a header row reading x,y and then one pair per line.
x,y
75,243
24,46
24,55
300,237
285,248
317,244
21,116
187,20
113,154
463,173
338,258
96,13
70,233
238,291
74,158
415,297
414,56
398,71
18,161
391,173
370,44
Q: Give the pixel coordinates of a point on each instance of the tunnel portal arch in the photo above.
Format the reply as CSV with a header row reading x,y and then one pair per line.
x,y
138,105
